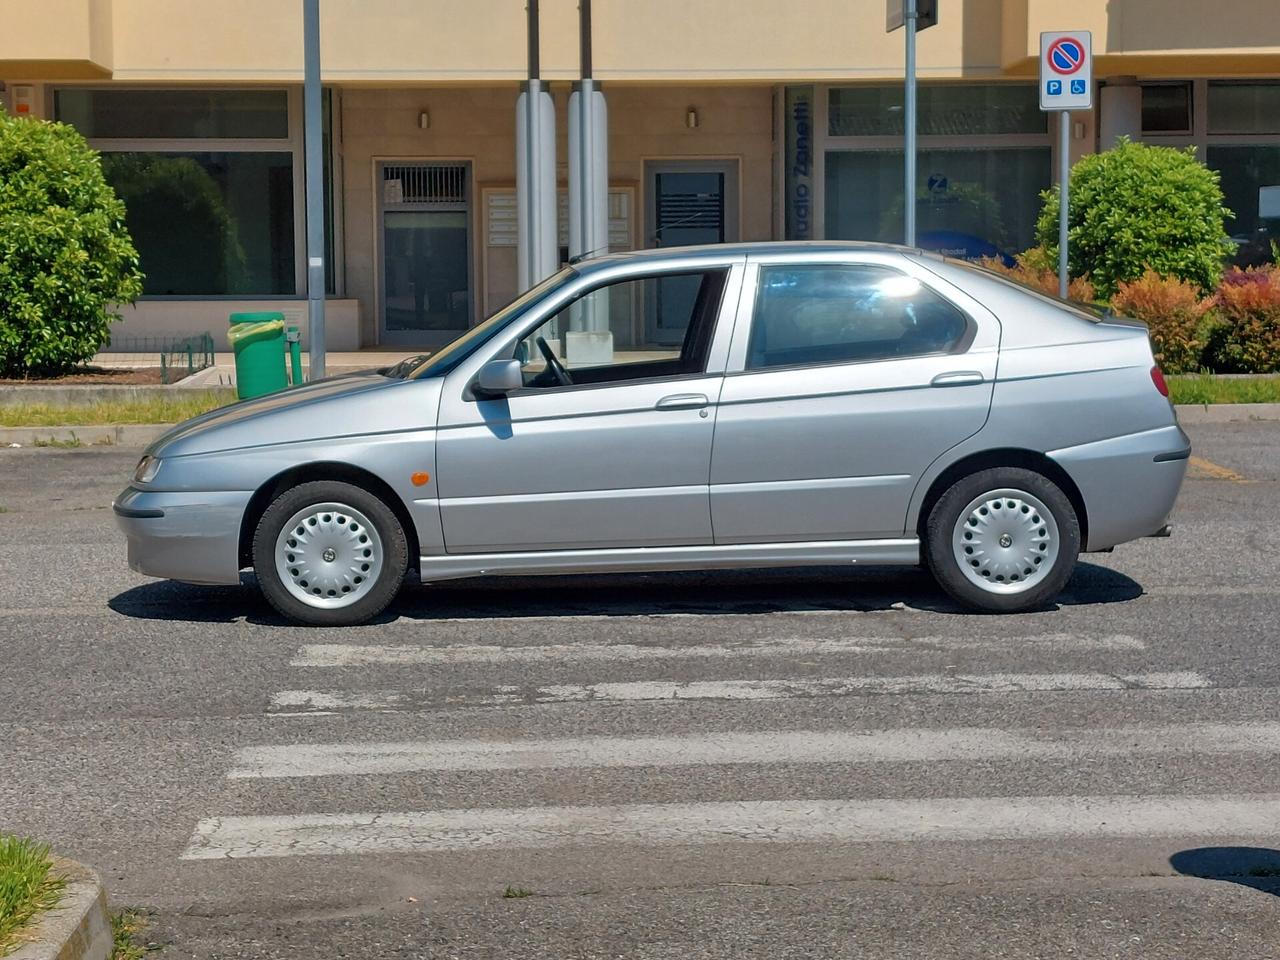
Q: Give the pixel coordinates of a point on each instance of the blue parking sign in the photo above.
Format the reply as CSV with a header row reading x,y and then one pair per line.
x,y
1054,88
1077,87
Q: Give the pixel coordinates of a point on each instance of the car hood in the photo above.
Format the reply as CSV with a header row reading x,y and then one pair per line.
x,y
356,404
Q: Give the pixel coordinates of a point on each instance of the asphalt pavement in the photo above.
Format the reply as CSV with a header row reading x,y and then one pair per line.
x,y
777,764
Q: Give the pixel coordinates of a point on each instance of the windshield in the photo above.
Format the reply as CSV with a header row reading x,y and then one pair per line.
x,y
1086,311
448,357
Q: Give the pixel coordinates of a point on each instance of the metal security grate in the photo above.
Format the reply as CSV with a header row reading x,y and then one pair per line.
x,y
436,183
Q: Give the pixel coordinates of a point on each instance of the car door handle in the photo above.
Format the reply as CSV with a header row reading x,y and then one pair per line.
x,y
957,378
682,401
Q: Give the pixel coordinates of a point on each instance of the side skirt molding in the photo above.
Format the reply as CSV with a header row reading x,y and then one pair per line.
x,y
905,551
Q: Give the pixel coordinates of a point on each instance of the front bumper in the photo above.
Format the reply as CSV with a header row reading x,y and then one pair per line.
x,y
193,537
1129,483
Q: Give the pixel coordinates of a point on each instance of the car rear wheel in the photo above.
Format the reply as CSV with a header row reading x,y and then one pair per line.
x,y
329,554
1003,540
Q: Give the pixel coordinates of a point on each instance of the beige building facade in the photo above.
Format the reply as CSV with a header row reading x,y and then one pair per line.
x,y
742,120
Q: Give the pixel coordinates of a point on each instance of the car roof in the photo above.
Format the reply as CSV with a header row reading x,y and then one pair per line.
x,y
720,251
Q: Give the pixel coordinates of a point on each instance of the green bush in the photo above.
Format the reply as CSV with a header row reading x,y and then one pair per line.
x,y
1246,338
66,257
1136,208
1177,316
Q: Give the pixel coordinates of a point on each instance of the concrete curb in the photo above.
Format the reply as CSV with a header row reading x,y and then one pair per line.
x,y
79,928
119,435
1228,412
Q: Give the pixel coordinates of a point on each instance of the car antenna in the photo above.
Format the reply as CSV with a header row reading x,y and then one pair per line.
x,y
579,257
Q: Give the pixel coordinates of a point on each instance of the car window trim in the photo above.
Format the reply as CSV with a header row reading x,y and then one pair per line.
x,y
961,346
712,322
583,387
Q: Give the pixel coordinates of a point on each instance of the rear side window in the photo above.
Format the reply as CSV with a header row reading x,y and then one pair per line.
x,y
842,313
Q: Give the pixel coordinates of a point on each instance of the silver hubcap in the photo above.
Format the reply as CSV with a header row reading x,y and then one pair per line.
x,y
1006,541
329,555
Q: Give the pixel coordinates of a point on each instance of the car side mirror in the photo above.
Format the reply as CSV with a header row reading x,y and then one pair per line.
x,y
499,377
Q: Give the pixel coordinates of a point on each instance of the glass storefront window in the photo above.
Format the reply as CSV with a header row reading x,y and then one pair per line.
x,y
175,114
209,224
1166,108
1244,170
1244,107
969,202
954,110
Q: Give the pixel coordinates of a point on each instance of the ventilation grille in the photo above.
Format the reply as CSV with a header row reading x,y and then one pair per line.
x,y
691,210
425,183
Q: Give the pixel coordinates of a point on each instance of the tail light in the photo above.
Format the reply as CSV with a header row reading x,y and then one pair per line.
x,y
1158,379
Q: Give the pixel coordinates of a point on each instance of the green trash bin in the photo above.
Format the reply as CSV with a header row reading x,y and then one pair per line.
x,y
258,342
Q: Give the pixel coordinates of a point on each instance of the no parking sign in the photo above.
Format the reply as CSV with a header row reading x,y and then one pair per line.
x,y
1066,70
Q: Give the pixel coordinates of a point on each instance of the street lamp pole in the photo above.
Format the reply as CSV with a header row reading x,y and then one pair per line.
x,y
909,15
313,151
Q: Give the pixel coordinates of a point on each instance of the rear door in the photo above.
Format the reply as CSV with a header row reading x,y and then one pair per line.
x,y
848,379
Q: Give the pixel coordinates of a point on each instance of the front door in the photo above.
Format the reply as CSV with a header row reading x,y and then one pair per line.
x,y
425,215
690,202
611,451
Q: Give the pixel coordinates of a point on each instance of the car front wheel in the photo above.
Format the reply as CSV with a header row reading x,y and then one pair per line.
x,y
328,553
1003,540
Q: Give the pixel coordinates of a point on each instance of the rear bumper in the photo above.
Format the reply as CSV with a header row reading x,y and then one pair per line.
x,y
193,537
1129,484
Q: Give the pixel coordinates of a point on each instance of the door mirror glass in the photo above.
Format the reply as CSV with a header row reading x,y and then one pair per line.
x,y
499,377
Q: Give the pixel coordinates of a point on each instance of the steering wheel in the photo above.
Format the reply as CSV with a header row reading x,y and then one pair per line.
x,y
553,363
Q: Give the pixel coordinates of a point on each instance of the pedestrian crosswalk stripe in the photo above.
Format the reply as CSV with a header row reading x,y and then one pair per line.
x,y
756,821
356,655
289,702
904,745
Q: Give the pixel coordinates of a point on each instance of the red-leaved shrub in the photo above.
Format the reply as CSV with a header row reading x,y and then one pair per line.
x,y
1175,313
1033,269
1246,338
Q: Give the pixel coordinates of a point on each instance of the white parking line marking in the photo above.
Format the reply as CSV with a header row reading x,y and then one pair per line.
x,y
771,821
355,655
807,746
289,702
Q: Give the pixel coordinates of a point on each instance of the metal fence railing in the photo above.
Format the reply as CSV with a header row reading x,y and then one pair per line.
x,y
177,357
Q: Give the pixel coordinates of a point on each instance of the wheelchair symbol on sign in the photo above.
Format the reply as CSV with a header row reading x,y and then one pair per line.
x,y
1077,88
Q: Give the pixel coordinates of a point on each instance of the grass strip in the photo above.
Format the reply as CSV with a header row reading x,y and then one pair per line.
x,y
1206,388
181,406
28,887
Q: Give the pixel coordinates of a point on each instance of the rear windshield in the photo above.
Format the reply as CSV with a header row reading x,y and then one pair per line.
x,y
1086,311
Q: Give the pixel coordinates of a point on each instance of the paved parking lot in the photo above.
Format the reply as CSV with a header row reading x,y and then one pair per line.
x,y
765,764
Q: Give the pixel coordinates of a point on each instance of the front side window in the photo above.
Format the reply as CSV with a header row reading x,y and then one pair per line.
x,y
822,314
621,332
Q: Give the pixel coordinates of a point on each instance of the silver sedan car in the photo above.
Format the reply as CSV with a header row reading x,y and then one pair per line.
x,y
729,406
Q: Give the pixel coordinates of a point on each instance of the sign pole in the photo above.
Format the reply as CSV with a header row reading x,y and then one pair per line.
x,y
313,178
1066,84
1064,201
909,14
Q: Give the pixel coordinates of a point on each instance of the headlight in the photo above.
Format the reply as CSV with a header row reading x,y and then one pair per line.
x,y
148,467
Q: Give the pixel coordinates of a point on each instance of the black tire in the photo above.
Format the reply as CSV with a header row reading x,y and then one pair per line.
x,y
374,598
946,567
